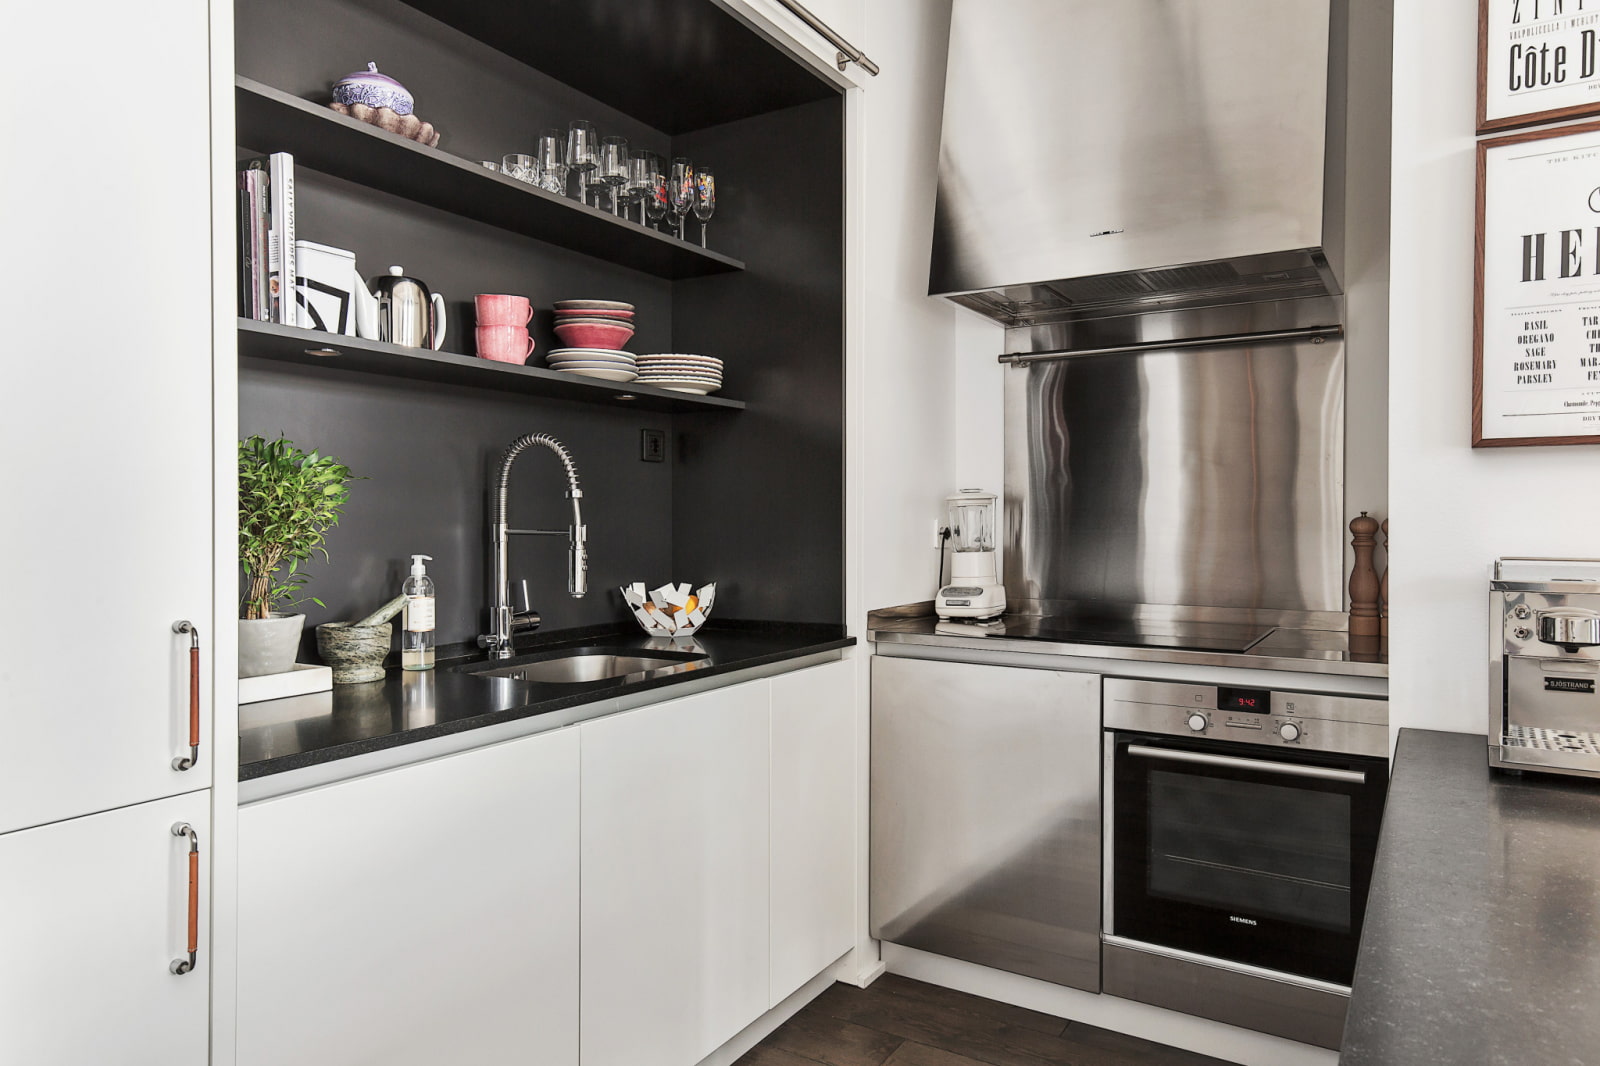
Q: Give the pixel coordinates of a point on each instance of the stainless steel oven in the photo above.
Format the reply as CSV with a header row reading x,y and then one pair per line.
x,y
1241,826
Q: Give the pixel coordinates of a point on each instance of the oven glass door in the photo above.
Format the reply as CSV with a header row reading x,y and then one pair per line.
x,y
1256,855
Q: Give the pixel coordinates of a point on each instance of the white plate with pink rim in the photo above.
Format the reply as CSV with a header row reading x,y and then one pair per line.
x,y
603,373
681,385
703,360
609,353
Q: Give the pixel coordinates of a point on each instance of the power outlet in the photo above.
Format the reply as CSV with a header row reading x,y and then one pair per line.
x,y
653,445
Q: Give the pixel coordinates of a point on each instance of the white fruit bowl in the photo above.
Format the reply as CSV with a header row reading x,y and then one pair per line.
x,y
668,610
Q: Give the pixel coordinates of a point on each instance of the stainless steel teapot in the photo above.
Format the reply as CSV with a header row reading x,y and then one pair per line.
x,y
400,310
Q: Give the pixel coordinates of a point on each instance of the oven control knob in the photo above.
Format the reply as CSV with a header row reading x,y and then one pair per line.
x,y
1289,731
1197,722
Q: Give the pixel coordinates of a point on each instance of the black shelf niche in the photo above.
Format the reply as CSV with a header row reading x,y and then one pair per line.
x,y
309,347
319,137
679,65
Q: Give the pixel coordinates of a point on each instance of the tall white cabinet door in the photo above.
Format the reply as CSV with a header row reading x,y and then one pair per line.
x,y
814,822
674,877
93,912
105,287
424,915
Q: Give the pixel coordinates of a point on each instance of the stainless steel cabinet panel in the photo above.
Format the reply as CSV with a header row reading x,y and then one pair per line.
x,y
986,815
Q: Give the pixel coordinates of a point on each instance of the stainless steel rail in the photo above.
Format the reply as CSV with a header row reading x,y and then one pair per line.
x,y
1316,334
848,53
1325,773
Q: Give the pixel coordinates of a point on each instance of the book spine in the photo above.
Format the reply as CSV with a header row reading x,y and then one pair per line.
x,y
263,277
247,290
284,305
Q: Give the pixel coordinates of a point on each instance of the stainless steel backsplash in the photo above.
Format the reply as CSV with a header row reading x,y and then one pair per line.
x,y
1211,477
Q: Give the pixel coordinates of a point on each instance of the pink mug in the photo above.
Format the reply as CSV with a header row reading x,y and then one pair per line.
x,y
503,310
504,344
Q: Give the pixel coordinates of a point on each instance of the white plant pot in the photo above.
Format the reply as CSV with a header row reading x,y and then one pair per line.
x,y
269,645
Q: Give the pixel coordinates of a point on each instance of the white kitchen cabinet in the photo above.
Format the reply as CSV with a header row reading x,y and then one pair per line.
x,y
423,915
675,893
813,819
846,17
106,290
95,911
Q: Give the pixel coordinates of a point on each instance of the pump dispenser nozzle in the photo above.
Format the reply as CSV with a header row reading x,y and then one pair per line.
x,y
417,569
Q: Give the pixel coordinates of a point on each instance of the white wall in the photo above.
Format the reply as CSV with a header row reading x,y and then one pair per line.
x,y
1454,508
911,380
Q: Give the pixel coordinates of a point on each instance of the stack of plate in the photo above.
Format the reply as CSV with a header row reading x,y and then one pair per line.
x,y
681,373
602,363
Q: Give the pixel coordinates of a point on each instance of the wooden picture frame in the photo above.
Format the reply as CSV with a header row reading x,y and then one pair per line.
x,y
1536,289
1541,54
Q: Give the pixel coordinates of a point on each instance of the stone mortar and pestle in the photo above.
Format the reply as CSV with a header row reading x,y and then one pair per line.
x,y
356,650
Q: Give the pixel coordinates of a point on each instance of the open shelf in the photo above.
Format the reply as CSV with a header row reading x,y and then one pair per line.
x,y
320,138
309,347
676,65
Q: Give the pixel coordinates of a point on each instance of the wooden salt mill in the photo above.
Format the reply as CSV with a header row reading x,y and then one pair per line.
x,y
1364,586
1383,585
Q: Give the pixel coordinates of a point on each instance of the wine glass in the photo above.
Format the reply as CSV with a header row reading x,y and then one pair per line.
x,y
705,198
552,158
680,191
655,203
613,166
641,180
581,152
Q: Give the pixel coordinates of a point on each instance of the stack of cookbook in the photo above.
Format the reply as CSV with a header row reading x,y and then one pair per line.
x,y
266,239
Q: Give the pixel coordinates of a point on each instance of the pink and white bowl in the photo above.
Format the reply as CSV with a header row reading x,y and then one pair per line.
x,y
591,333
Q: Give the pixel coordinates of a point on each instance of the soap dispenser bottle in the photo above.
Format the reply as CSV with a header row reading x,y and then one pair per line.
x,y
416,637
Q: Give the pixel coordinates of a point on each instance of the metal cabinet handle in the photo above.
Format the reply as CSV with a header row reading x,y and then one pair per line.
x,y
1325,773
184,829
186,762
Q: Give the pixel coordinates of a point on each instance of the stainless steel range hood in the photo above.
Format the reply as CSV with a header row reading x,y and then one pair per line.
x,y
1113,157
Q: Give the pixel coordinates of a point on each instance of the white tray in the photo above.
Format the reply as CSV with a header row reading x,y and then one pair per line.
x,y
301,679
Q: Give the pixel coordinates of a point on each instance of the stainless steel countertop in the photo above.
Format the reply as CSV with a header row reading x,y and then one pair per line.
x,y
1305,651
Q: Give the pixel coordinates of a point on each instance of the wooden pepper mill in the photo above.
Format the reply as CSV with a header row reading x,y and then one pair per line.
x,y
1364,587
1383,585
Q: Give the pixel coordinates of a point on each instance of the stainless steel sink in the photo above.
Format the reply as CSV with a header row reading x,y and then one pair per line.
x,y
589,664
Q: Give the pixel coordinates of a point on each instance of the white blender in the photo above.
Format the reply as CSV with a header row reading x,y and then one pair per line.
x,y
975,590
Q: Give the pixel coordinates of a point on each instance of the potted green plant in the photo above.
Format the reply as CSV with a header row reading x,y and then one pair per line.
x,y
288,500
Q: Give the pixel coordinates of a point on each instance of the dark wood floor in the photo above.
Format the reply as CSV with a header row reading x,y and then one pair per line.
x,y
900,1022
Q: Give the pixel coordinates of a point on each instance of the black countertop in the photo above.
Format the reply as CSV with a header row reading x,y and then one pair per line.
x,y
1482,935
406,707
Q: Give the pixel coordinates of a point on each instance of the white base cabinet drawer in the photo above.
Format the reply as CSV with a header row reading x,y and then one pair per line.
x,y
674,877
814,823
95,911
424,915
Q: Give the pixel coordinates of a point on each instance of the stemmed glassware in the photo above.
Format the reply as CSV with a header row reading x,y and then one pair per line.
x,y
613,167
680,191
582,153
656,202
705,198
552,158
640,180
631,177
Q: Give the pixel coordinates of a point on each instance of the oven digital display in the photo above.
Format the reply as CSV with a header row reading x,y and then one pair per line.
x,y
1249,700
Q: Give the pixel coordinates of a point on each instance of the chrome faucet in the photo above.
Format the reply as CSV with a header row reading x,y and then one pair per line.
x,y
503,622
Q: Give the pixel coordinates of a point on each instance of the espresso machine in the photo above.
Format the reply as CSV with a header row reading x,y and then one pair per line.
x,y
975,591
1544,650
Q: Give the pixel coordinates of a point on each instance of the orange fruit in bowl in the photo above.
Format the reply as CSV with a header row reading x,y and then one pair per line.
x,y
691,603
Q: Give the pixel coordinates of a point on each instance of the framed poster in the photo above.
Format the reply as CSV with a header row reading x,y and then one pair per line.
x,y
1538,61
1536,318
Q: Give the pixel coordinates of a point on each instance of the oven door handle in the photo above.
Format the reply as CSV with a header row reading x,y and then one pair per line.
x,y
1324,773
